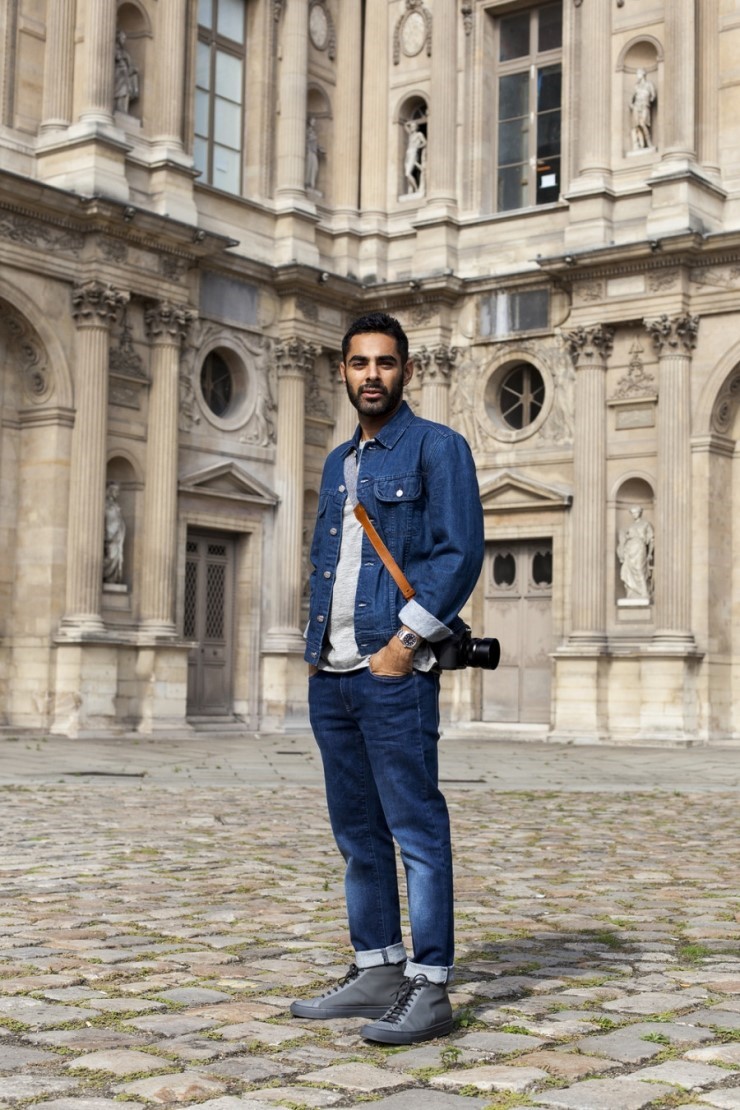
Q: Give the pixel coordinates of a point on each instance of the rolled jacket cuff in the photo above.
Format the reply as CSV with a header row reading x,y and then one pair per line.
x,y
374,957
422,622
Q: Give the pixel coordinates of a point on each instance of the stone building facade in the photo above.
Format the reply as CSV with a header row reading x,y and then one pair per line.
x,y
197,196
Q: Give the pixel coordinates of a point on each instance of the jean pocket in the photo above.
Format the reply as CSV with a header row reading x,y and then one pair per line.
x,y
392,679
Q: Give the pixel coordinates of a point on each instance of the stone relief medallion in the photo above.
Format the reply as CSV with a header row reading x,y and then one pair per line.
x,y
318,26
414,35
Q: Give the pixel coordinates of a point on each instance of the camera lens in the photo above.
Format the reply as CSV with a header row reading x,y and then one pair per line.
x,y
484,652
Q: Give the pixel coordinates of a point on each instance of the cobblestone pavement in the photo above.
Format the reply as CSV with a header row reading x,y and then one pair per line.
x,y
157,917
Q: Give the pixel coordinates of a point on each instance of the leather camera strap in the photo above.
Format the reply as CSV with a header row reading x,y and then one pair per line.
x,y
390,563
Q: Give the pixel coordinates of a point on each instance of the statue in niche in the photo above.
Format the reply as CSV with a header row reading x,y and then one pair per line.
x,y
641,109
414,162
635,552
126,76
115,534
313,153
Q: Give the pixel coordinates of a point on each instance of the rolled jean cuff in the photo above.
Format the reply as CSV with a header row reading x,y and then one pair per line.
x,y
394,954
434,974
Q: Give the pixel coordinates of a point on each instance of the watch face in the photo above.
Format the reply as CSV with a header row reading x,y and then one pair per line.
x,y
408,639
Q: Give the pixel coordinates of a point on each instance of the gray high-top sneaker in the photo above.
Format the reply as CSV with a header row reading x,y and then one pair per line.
x,y
363,992
421,1011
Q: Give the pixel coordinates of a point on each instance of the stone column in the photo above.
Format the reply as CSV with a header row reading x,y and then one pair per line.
x,y
346,184
373,182
709,67
593,35
98,62
291,123
674,339
295,361
168,107
443,109
679,94
590,349
434,369
166,326
56,108
94,307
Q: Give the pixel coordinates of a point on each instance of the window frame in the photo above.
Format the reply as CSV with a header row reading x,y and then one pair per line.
x,y
532,63
219,44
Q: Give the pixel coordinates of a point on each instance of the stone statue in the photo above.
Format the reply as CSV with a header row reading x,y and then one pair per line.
x,y
126,76
635,553
641,103
414,162
115,534
313,153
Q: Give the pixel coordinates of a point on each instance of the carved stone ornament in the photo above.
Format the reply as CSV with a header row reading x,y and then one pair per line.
x,y
676,333
725,407
590,345
436,365
295,358
262,428
26,352
22,229
321,28
636,383
124,361
466,11
413,31
168,323
173,267
277,9
664,279
96,304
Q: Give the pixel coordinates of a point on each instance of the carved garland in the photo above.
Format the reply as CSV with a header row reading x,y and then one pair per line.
x,y
725,407
28,353
323,37
416,17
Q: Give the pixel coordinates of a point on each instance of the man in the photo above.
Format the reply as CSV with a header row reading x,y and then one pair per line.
x,y
374,686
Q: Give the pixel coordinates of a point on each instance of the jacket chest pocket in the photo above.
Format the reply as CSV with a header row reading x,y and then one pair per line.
x,y
398,499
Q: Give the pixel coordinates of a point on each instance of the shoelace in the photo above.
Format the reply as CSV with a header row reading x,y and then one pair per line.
x,y
404,997
353,972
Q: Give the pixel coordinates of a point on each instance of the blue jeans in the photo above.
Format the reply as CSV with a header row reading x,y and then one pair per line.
x,y
378,742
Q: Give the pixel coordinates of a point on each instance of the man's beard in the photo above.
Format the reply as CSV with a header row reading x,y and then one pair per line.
x,y
387,400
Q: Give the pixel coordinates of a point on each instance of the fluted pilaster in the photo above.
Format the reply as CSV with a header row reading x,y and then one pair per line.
x,y
291,129
593,21
434,370
99,57
708,35
373,184
674,339
94,307
590,349
56,109
346,185
345,414
168,107
167,326
443,111
295,360
679,96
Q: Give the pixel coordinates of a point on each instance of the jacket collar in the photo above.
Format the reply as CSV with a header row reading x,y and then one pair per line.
x,y
390,433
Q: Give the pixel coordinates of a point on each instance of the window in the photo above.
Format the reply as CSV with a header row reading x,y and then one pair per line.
x,y
505,313
219,93
522,395
529,100
217,384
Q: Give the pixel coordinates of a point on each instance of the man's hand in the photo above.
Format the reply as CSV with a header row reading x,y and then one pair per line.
x,y
392,661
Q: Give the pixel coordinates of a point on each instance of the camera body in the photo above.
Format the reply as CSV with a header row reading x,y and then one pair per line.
x,y
461,650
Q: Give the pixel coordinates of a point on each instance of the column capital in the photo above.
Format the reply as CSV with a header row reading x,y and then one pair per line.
x,y
592,345
295,358
436,365
167,323
673,334
96,304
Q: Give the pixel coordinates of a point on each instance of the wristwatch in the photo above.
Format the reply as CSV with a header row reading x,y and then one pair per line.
x,y
408,638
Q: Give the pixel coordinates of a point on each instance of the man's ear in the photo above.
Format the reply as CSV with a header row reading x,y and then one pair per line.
x,y
408,371
342,371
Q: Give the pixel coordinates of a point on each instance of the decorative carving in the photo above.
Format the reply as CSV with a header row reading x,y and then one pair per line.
x,y
168,323
641,111
96,304
593,291
27,353
437,364
673,332
725,407
636,382
664,279
463,403
124,361
315,403
466,11
422,313
413,31
307,308
115,250
189,414
277,9
295,358
173,267
321,28
722,279
592,344
22,229
559,426
126,76
314,152
415,155
124,395
635,551
115,534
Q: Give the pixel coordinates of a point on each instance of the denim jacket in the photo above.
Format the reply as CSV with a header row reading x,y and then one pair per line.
x,y
417,481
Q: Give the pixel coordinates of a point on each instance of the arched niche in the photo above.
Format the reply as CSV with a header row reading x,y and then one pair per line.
x,y
122,470
639,88
634,501
319,142
412,118
134,25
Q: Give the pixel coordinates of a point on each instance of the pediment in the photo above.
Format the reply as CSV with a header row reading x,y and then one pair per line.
x,y
510,491
228,480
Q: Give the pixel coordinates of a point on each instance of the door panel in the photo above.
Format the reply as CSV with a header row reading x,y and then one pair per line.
x,y
209,578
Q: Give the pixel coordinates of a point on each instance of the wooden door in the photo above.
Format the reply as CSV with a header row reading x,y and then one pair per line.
x,y
209,592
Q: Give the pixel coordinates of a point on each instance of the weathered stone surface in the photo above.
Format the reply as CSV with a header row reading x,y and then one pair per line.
x,y
492,1077
683,1073
14,1088
604,1094
492,1045
41,1015
15,1056
355,1077
298,1096
250,1069
182,1087
719,1053
567,1065
120,1061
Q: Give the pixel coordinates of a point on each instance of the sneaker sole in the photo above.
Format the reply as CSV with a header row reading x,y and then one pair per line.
x,y
306,1010
394,1036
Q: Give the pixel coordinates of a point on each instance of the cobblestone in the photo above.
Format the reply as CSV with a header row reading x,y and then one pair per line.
x,y
163,923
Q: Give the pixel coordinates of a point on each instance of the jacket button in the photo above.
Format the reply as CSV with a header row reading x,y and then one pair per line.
x,y
327,574
320,618
333,531
342,489
399,493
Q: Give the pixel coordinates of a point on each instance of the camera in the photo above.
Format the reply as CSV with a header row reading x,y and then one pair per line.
x,y
461,650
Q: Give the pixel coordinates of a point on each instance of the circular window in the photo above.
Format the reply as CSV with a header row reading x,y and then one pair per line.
x,y
522,396
217,384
